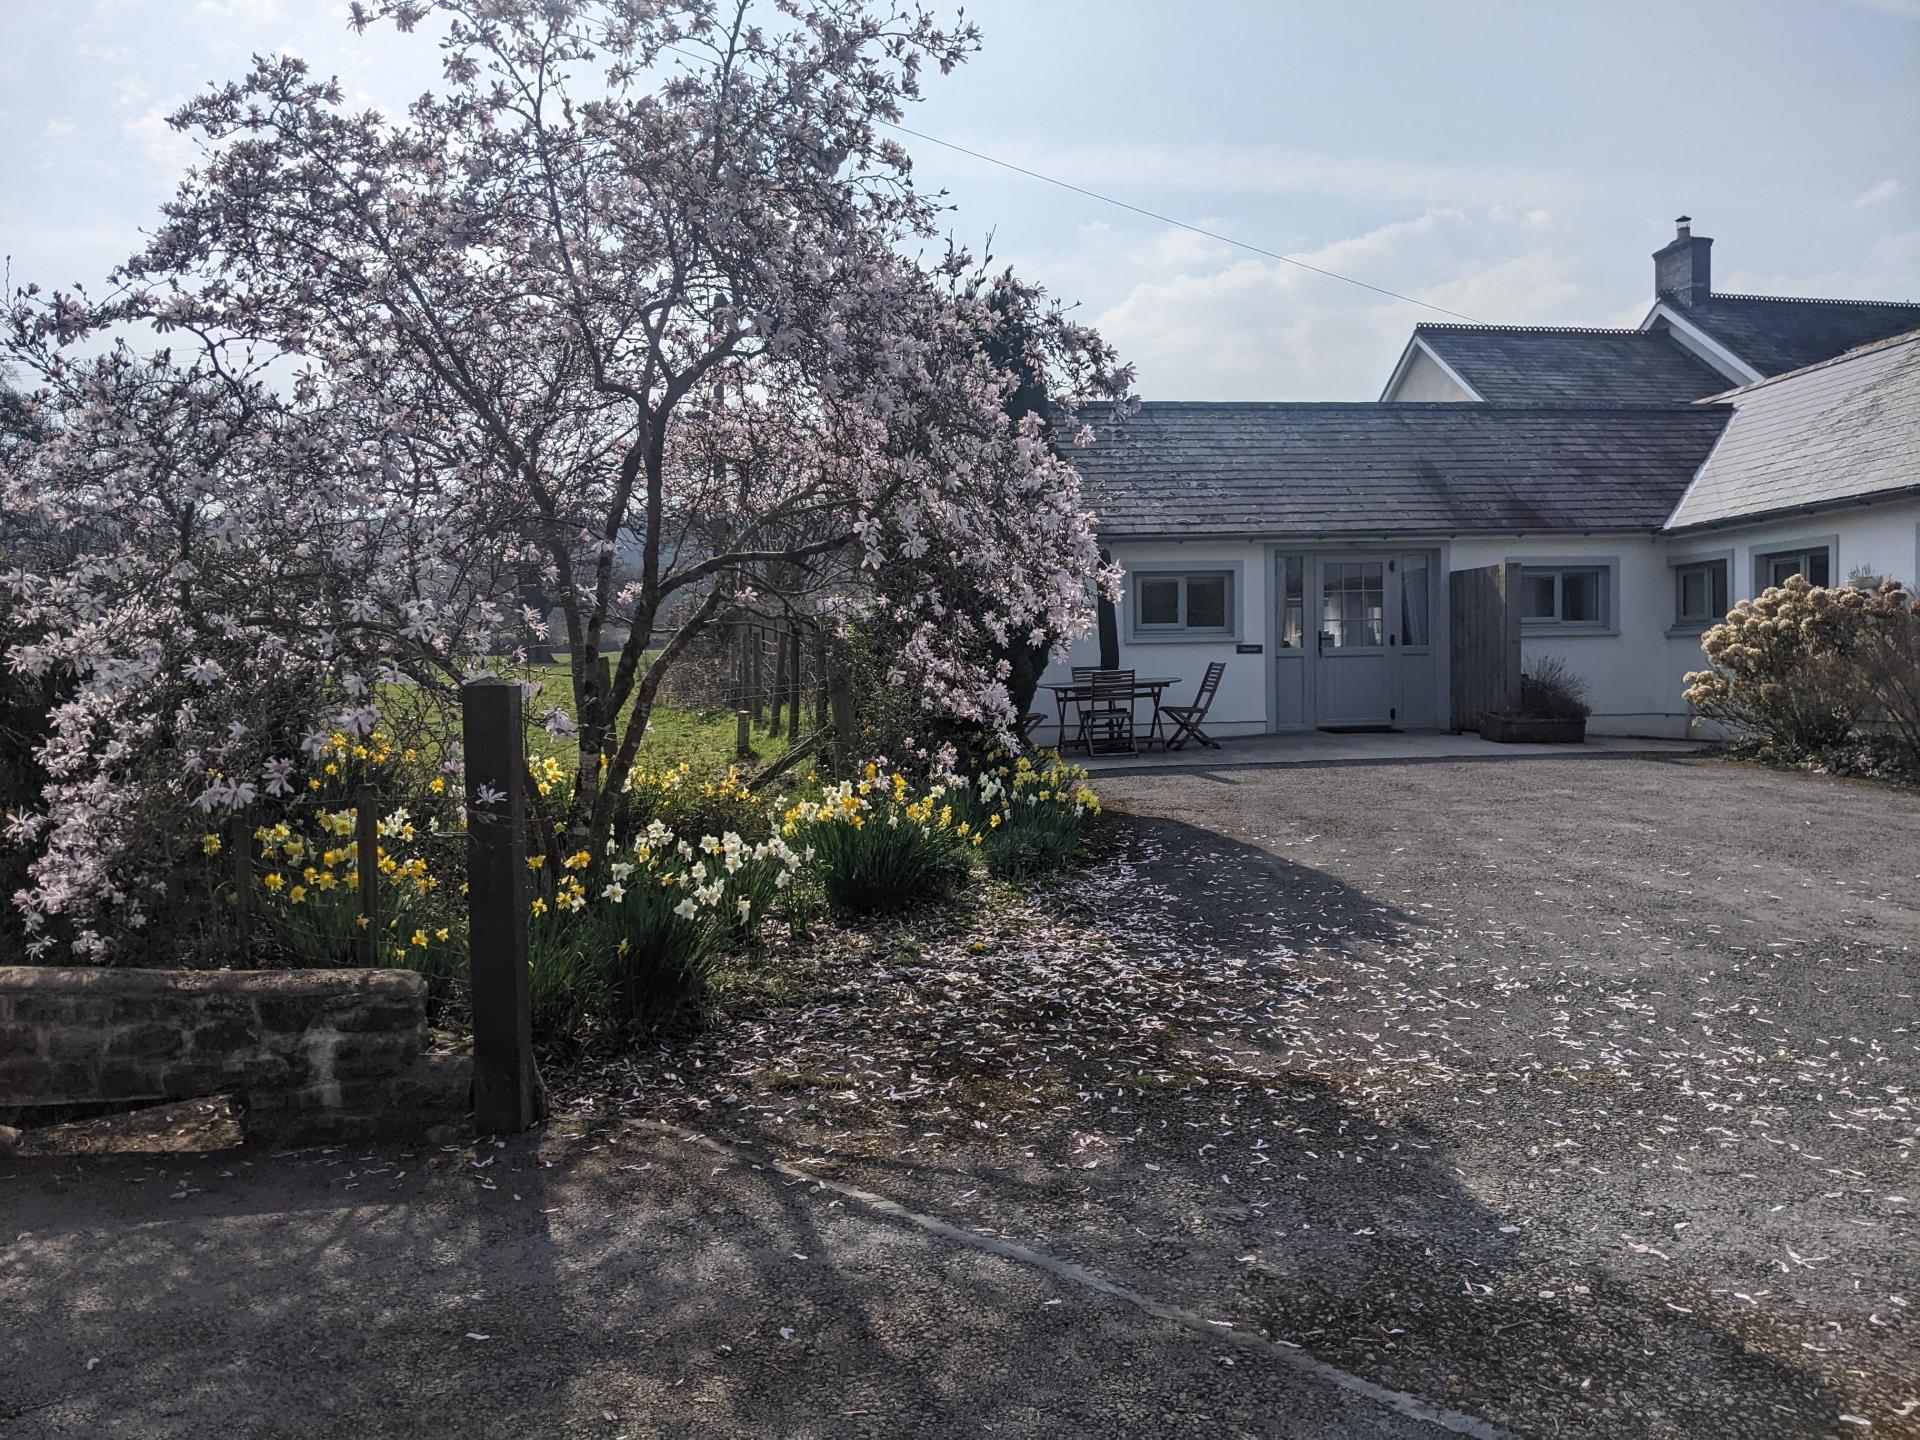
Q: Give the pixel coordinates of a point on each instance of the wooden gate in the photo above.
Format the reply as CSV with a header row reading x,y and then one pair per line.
x,y
1485,652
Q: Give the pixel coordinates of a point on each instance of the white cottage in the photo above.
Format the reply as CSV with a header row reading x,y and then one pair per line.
x,y
1642,480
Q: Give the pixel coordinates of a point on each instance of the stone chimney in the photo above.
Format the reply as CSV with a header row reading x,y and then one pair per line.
x,y
1683,268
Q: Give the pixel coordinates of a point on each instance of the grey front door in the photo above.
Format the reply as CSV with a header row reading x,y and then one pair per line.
x,y
1354,679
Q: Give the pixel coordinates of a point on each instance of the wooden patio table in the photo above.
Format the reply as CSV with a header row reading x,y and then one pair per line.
x,y
1145,687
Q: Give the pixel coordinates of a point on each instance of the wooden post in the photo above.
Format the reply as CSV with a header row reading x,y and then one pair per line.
x,y
366,835
794,691
240,843
505,1086
820,706
754,670
778,695
742,734
840,698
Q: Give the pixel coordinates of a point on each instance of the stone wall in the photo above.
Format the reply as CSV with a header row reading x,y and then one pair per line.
x,y
313,1055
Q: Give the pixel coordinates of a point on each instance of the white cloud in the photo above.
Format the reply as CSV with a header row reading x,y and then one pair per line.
x,y
1247,328
1890,270
59,128
1874,194
247,12
170,151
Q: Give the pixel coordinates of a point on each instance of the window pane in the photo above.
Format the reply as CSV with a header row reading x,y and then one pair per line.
x,y
1330,606
1160,601
1292,618
1413,604
1580,597
1718,572
1537,595
1352,603
1206,602
1694,597
1816,570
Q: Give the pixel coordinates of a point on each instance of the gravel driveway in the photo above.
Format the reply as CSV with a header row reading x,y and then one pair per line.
x,y
1544,1097
1649,1030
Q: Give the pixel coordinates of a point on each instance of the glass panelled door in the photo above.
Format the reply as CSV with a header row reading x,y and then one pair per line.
x,y
1353,601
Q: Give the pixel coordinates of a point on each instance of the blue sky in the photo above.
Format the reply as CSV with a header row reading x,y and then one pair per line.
x,y
1515,162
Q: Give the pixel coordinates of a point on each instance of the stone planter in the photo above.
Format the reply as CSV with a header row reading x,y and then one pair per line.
x,y
1520,730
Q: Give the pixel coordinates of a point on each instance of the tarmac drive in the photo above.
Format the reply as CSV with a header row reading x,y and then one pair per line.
x,y
1535,1097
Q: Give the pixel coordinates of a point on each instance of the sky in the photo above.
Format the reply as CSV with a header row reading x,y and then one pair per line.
x,y
1516,163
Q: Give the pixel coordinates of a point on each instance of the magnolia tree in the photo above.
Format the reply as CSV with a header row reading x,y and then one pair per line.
x,y
628,313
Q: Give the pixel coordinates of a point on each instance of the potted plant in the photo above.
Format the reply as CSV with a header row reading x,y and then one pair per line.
x,y
1552,710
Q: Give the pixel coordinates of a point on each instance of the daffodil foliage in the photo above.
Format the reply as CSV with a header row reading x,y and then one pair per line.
x,y
635,315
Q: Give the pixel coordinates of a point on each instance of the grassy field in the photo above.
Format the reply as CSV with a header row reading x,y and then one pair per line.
x,y
702,739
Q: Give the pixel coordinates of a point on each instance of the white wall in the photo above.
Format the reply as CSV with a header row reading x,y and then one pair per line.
x,y
1632,674
1241,706
1424,380
1637,675
1883,538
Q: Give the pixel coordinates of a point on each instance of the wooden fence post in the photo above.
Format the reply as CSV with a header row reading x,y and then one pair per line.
x,y
840,698
756,686
820,706
366,835
777,696
794,692
505,1087
742,735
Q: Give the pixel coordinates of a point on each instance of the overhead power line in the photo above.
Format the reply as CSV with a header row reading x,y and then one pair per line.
x,y
1179,224
1152,214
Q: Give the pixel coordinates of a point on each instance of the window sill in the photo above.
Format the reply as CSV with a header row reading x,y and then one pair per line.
x,y
1690,629
1554,627
1185,637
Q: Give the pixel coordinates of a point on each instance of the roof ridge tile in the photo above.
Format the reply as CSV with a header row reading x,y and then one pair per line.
x,y
1812,300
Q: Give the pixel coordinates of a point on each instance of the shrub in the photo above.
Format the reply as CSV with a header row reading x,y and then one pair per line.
x,y
1031,817
686,805
1551,690
876,849
307,865
1804,669
631,942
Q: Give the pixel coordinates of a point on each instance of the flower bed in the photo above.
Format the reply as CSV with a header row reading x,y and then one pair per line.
x,y
637,937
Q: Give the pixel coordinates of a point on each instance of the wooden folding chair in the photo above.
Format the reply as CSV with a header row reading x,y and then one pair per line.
x,y
1106,715
1082,674
1186,718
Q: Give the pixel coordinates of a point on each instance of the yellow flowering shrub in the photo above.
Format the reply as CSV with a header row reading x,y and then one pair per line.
x,y
629,938
1030,814
690,804
880,844
307,864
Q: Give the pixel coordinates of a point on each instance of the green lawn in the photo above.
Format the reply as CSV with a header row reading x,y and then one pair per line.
x,y
702,739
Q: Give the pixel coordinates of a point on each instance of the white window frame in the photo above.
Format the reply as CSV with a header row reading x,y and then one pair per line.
x,y
1607,567
1677,565
1141,633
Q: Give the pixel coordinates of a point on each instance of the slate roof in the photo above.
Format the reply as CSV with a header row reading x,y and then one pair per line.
x,y
1776,334
1842,430
1201,468
1533,365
